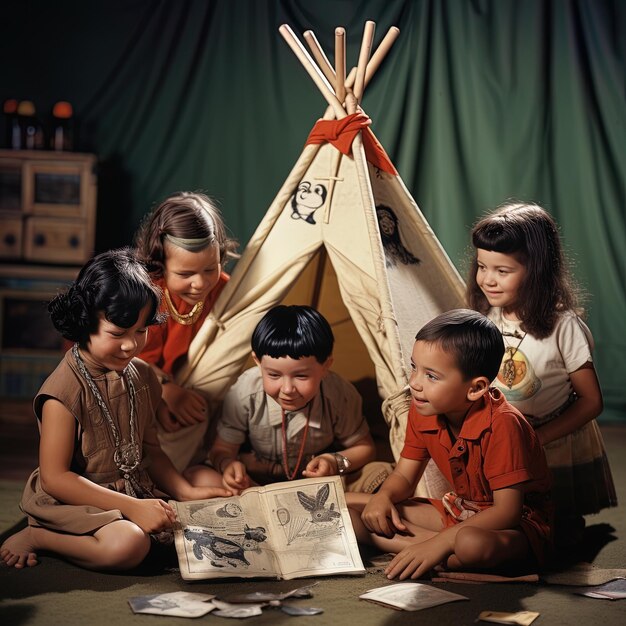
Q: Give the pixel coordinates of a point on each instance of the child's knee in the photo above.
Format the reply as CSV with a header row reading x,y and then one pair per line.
x,y
203,476
125,548
475,546
191,473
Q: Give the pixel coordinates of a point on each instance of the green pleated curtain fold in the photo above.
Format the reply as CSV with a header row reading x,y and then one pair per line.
x,y
479,101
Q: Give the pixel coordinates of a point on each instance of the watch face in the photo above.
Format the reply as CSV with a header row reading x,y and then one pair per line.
x,y
342,463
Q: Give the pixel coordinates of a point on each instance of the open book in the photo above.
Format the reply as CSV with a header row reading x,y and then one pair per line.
x,y
284,530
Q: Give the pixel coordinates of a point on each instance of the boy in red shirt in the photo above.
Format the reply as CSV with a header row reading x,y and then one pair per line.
x,y
500,509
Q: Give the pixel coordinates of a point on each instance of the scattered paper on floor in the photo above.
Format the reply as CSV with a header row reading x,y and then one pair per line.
x,y
410,596
523,618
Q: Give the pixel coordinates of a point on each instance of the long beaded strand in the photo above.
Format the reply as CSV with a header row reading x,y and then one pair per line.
x,y
126,456
292,475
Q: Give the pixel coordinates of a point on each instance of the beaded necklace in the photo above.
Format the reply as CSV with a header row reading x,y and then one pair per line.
x,y
127,455
291,475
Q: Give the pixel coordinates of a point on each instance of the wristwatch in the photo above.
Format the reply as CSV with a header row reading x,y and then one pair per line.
x,y
343,463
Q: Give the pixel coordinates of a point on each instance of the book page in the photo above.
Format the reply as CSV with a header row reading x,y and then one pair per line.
x,y
224,537
311,531
284,530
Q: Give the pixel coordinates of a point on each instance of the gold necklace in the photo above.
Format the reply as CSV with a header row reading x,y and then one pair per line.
x,y
186,319
508,364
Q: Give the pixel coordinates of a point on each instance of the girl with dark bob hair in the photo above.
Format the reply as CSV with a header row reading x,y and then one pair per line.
x,y
97,497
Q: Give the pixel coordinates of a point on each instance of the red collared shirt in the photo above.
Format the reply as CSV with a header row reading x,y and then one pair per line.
x,y
496,448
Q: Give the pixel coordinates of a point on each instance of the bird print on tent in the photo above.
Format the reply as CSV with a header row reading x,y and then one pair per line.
x,y
307,200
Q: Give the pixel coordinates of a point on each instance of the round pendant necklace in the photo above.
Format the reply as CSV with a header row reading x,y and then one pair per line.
x,y
127,455
508,364
291,475
186,319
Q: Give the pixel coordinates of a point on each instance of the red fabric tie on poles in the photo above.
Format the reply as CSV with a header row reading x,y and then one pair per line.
x,y
341,134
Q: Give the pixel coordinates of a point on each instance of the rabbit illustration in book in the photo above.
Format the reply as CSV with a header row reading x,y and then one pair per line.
x,y
315,506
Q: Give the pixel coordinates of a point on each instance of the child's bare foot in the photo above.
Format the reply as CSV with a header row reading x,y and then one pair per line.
x,y
18,550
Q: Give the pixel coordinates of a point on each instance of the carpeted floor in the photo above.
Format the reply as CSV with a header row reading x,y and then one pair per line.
x,y
55,592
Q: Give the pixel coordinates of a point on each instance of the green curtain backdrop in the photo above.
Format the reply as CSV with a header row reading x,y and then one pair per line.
x,y
478,101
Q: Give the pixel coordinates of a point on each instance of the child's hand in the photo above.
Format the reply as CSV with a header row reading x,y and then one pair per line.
x,y
204,493
418,559
152,515
188,406
166,419
256,466
380,516
235,477
320,466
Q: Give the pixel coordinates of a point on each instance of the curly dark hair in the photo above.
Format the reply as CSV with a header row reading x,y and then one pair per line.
x,y
531,235
115,284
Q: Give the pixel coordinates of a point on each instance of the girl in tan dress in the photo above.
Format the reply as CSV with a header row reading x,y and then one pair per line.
x,y
93,499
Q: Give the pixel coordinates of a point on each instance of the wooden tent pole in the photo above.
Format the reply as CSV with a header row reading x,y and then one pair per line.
x,y
381,53
364,57
372,66
321,58
314,72
340,63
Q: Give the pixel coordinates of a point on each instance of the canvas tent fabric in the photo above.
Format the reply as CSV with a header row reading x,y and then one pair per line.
x,y
346,237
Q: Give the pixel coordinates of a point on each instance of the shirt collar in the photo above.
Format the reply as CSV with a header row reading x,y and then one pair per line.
x,y
480,415
314,410
477,420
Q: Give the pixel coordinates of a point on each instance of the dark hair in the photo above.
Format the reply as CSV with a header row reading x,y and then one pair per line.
x,y
295,331
186,215
114,283
472,339
531,235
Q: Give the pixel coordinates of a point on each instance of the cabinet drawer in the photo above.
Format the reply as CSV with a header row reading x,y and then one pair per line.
x,y
10,237
58,189
56,241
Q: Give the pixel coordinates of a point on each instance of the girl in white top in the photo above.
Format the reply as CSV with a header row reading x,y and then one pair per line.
x,y
519,278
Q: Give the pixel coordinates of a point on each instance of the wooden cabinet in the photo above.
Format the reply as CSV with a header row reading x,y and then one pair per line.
x,y
47,206
30,346
47,232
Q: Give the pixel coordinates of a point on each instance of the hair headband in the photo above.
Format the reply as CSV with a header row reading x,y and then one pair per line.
x,y
191,245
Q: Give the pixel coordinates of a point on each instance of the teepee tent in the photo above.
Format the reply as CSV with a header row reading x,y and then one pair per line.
x,y
343,235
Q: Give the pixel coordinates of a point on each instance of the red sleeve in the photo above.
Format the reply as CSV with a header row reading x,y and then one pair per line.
x,y
508,459
414,444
